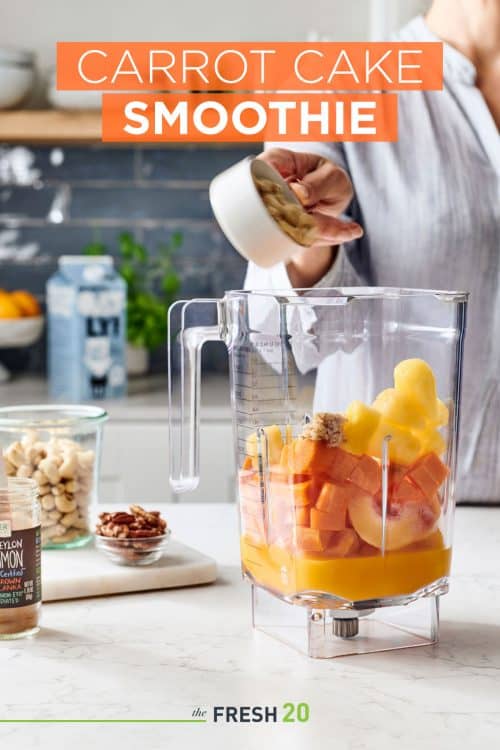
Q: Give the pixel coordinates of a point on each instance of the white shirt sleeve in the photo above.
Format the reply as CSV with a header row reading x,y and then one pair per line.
x,y
276,277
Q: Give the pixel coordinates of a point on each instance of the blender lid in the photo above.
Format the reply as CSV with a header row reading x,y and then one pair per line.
x,y
343,295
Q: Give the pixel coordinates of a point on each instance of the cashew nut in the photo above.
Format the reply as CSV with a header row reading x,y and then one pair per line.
x,y
81,523
54,530
48,466
15,454
67,537
9,468
69,519
40,477
25,471
64,504
63,472
86,459
69,465
47,502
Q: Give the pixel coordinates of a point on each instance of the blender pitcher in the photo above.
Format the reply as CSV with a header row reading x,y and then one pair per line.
x,y
345,408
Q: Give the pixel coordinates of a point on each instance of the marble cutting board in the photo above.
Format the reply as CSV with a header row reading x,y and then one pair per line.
x,y
72,574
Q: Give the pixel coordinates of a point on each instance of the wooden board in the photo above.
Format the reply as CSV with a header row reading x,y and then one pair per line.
x,y
50,126
86,572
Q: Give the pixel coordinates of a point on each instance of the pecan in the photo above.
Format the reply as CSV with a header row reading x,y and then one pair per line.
x,y
136,524
125,518
142,533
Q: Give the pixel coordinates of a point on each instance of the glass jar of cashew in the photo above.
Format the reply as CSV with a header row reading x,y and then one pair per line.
x,y
20,559
59,448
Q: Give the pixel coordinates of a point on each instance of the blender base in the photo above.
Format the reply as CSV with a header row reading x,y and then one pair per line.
x,y
326,634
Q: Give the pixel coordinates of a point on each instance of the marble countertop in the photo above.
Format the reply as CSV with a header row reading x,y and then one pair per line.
x,y
146,399
157,655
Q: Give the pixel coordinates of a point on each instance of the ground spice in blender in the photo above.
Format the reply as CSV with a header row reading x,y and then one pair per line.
x,y
326,427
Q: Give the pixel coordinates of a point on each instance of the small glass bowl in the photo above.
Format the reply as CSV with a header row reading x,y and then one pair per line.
x,y
133,551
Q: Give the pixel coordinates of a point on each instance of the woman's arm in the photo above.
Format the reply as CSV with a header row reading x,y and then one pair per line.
x,y
325,189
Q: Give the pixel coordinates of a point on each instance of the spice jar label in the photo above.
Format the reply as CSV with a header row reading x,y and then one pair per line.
x,y
20,568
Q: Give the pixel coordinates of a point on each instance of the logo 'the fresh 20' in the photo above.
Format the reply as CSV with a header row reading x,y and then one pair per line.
x,y
289,714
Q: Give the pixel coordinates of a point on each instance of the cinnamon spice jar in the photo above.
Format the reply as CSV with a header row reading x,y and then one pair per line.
x,y
20,559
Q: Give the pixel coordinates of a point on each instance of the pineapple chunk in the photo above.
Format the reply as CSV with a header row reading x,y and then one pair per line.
x,y
400,409
274,446
361,422
443,414
433,442
414,378
404,445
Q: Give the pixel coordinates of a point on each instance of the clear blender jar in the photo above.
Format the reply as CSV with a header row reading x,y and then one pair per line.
x,y
346,410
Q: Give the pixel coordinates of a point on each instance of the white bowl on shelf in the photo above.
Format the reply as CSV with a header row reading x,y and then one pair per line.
x,y
20,332
17,75
73,100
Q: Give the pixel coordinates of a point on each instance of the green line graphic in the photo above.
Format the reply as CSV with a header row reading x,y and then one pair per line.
x,y
103,721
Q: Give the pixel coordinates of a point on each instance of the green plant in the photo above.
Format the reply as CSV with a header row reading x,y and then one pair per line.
x,y
152,286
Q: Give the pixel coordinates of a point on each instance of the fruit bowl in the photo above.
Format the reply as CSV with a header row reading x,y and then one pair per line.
x,y
18,332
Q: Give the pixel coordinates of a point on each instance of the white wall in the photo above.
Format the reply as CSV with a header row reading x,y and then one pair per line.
x,y
38,24
389,15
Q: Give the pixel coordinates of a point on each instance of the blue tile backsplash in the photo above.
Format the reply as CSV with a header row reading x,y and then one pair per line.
x,y
96,192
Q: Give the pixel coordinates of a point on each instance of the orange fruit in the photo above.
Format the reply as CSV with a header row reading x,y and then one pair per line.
x,y
8,308
26,302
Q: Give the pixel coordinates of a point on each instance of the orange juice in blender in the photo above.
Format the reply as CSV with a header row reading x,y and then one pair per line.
x,y
345,407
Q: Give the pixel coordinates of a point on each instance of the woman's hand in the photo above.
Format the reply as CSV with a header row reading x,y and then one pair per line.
x,y
325,190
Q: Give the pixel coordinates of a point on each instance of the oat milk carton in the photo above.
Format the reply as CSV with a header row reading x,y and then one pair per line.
x,y
86,303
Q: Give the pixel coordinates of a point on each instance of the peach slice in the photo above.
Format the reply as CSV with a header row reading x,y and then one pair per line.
x,y
311,540
335,521
366,550
406,522
343,543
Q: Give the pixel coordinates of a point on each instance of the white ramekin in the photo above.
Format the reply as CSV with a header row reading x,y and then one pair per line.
x,y
243,217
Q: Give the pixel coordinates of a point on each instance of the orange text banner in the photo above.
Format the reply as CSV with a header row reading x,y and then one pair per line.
x,y
254,117
257,66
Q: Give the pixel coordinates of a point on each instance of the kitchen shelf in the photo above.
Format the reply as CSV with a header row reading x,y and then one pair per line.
x,y
54,126
50,126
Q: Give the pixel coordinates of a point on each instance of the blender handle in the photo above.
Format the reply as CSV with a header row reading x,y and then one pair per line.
x,y
184,395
